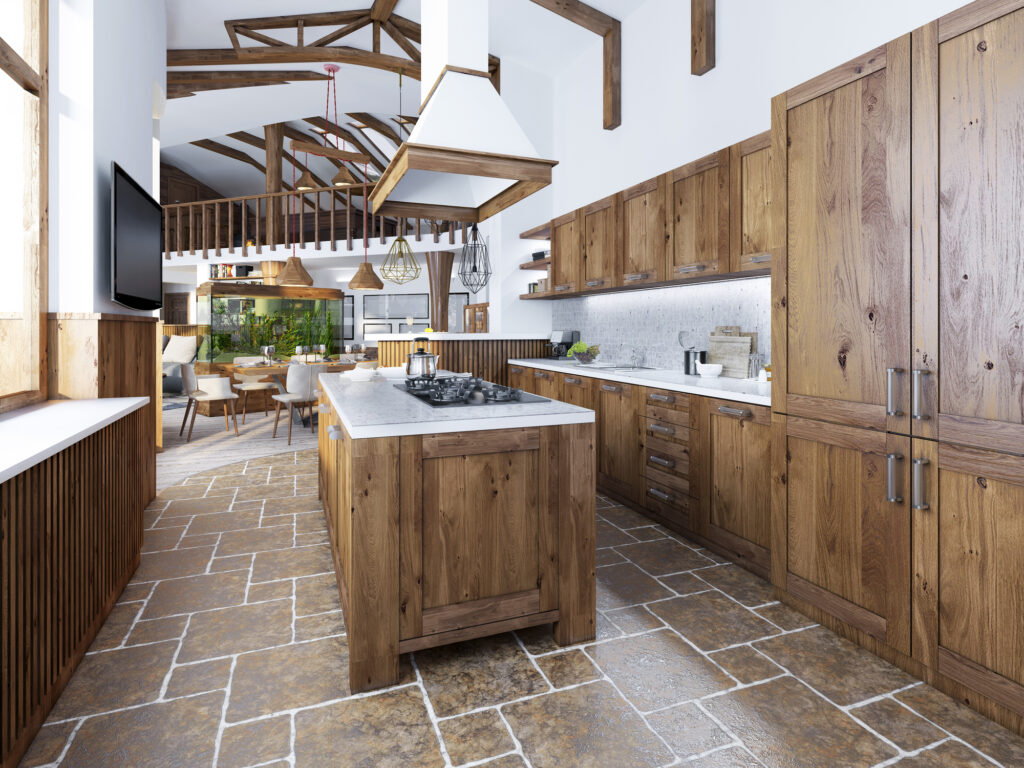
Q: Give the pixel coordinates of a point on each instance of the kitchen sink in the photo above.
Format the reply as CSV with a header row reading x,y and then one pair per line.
x,y
630,368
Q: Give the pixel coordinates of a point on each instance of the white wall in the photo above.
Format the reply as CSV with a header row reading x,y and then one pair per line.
x,y
670,117
107,62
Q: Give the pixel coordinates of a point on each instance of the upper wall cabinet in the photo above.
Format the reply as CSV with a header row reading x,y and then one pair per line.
x,y
602,243
566,253
841,309
644,233
968,367
755,232
698,212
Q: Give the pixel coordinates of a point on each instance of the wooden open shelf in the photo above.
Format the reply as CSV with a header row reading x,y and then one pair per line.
x,y
537,295
540,232
233,279
538,264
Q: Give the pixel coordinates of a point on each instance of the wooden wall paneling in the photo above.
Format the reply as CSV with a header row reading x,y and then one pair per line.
x,y
645,233
72,531
849,241
698,212
602,243
566,253
577,598
373,589
486,358
780,266
755,234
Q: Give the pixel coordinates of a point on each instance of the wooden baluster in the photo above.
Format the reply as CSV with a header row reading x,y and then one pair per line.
x,y
464,228
316,219
231,228
259,247
216,227
191,230
301,203
348,217
436,227
383,236
178,239
451,233
418,236
334,234
245,228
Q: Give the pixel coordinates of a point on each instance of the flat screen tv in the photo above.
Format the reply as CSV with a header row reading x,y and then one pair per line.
x,y
136,256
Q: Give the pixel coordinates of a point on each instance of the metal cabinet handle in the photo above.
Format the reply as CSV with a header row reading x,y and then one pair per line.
x,y
660,398
890,394
915,412
662,429
917,500
890,478
659,494
573,381
541,375
334,432
661,462
563,287
594,283
739,413
634,277
611,388
692,268
760,258
516,370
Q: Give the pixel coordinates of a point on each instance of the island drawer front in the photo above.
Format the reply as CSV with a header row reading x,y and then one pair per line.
x,y
673,458
667,400
667,503
490,441
666,431
668,415
679,483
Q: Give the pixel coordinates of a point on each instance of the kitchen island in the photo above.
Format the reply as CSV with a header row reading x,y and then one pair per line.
x,y
455,522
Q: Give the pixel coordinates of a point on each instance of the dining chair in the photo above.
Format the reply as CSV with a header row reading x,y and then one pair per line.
x,y
215,389
300,390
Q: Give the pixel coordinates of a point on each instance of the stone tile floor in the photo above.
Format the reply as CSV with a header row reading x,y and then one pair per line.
x,y
228,648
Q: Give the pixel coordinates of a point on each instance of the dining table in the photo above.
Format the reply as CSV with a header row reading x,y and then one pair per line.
x,y
278,370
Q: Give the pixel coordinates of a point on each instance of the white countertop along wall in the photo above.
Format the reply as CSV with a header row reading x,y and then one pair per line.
x,y
375,337
747,391
377,408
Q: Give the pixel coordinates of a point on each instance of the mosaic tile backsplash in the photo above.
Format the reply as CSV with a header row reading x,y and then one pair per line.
x,y
655,321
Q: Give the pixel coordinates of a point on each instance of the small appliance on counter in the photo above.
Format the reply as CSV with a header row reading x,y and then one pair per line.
x,y
691,358
558,346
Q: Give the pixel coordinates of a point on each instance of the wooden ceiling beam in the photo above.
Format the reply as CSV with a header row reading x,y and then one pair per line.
x,y
290,54
376,124
259,37
702,36
245,77
328,151
19,69
237,154
403,42
337,34
328,19
326,125
382,9
611,30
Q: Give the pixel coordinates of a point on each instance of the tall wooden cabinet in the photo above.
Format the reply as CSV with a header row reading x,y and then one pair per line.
x,y
698,214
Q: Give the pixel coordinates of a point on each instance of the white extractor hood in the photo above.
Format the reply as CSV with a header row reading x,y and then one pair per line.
x,y
467,158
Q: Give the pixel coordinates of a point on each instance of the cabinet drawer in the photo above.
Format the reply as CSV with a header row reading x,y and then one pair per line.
x,y
668,432
667,502
667,456
667,480
669,415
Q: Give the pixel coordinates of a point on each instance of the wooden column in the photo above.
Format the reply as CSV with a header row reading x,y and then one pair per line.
x,y
274,137
439,268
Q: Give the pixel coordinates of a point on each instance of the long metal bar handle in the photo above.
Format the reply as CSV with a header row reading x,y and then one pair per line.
x,y
660,495
594,283
610,388
667,463
890,392
569,380
662,429
541,375
890,478
636,276
691,268
563,287
760,258
915,412
739,413
660,398
918,502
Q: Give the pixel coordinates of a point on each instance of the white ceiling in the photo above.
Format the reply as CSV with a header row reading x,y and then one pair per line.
x,y
520,31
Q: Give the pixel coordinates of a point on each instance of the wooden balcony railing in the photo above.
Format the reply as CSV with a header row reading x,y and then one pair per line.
x,y
253,222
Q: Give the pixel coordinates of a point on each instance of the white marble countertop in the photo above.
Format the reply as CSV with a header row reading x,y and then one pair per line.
x,y
33,434
376,408
739,390
456,336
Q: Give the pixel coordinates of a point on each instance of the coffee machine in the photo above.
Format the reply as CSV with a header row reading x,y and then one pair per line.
x,y
560,342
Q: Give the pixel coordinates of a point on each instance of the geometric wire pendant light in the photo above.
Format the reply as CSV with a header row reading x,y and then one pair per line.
x,y
475,267
400,266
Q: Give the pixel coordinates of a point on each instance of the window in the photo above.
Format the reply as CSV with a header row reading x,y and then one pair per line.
x,y
23,200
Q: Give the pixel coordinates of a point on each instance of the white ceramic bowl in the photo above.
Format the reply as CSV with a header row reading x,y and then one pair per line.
x,y
709,370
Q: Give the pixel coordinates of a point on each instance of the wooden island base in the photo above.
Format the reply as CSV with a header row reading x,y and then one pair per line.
x,y
446,537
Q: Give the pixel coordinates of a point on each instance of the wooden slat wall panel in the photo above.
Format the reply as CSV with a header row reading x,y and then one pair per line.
x,y
72,532
486,358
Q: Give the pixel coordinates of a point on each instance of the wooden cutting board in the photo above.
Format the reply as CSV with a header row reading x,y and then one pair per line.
x,y
733,352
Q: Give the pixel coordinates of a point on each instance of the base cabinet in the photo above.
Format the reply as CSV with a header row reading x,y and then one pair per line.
x,y
736,509
618,434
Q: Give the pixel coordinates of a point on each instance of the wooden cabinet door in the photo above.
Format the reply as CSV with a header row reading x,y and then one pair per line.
x,y
755,231
736,446
602,244
644,233
619,438
698,211
969,193
844,292
577,390
566,253
843,531
969,568
520,377
546,384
